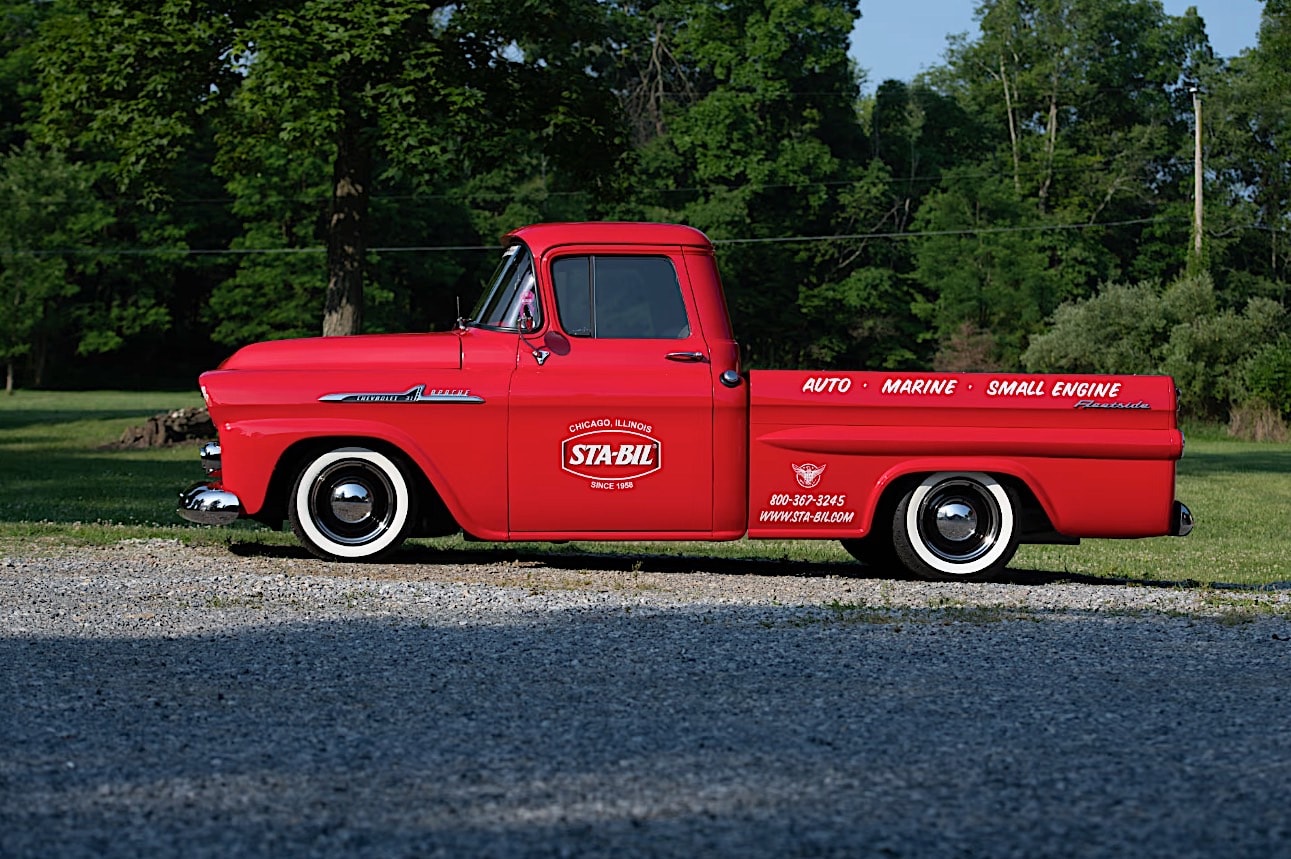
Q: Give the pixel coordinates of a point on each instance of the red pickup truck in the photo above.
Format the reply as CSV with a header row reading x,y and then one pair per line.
x,y
597,394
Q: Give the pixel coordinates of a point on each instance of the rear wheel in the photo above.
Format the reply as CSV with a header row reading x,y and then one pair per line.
x,y
955,527
351,503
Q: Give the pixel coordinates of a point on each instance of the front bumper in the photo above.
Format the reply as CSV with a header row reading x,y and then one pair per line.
x,y
208,505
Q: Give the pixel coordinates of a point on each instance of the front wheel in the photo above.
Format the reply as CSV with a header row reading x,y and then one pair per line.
x,y
955,527
351,503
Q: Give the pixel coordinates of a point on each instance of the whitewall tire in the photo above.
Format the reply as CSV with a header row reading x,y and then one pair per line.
x,y
956,526
351,503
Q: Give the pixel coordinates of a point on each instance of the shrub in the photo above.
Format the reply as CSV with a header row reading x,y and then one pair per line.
x,y
1219,359
1268,375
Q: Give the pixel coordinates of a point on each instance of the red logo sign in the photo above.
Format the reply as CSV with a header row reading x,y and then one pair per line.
x,y
611,454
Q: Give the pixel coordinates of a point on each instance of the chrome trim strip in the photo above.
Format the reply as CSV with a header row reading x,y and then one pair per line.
x,y
206,505
414,394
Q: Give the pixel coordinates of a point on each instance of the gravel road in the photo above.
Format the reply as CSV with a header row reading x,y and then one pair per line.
x,y
159,700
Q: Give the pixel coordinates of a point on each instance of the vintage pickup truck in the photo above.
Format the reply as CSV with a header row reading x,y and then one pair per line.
x,y
597,394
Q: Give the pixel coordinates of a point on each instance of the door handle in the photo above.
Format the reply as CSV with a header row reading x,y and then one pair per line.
x,y
689,357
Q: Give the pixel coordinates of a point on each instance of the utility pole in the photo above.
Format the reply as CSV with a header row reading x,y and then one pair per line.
x,y
1196,174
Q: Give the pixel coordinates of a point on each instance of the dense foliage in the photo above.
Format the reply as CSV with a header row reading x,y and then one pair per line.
x,y
184,176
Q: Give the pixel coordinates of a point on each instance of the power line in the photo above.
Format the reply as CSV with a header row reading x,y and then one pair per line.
x,y
971,231
468,197
930,233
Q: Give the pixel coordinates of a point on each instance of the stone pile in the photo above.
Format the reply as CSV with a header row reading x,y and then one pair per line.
x,y
169,428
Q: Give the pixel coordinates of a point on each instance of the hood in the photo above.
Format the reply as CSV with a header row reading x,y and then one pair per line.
x,y
437,351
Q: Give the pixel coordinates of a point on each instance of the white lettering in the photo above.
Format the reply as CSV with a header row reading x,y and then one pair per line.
x,y
583,425
826,385
921,387
1100,390
1015,388
602,423
632,425
635,454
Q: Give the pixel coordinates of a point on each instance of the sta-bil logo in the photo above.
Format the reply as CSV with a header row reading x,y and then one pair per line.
x,y
611,454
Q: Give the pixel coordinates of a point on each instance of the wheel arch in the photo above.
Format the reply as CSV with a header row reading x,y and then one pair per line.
x,y
434,517
1033,508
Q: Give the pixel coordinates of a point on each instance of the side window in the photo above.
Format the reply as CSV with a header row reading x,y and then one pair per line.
x,y
620,297
573,281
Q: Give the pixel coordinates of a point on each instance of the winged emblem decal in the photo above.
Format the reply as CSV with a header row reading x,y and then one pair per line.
x,y
808,474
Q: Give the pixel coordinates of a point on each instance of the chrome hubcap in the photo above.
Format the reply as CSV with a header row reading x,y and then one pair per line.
x,y
959,521
351,502
956,521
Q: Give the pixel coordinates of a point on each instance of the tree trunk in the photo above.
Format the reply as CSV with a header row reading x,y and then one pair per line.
x,y
346,239
39,349
8,377
1050,147
1013,128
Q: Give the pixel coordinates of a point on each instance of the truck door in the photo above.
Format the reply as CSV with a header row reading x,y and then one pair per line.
x,y
611,424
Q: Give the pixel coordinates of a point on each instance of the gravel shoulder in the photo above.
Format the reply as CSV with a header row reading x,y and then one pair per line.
x,y
165,700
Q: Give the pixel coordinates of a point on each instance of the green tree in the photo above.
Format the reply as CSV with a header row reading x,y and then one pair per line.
x,y
746,122
919,133
19,23
985,263
49,214
420,86
1084,108
1247,139
282,202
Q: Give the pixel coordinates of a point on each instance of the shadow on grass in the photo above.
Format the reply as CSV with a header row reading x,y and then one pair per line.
x,y
1270,459
609,562
123,487
11,419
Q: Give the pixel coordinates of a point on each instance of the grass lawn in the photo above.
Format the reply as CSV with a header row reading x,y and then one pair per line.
x,y
60,485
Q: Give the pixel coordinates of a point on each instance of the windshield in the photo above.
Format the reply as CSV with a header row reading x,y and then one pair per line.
x,y
511,294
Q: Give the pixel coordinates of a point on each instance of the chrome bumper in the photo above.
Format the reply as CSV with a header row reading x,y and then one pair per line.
x,y
1180,520
205,505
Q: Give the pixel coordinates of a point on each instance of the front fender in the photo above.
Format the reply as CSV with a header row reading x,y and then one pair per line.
x,y
255,450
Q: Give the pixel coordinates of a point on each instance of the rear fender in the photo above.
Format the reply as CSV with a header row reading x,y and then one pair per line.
x,y
900,477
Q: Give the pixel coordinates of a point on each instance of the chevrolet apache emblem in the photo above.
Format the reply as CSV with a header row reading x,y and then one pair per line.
x,y
417,394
